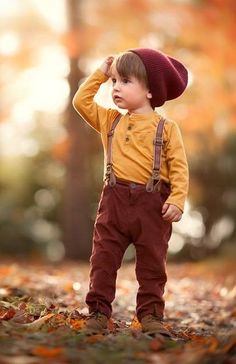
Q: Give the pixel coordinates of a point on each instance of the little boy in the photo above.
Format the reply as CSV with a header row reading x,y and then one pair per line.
x,y
145,179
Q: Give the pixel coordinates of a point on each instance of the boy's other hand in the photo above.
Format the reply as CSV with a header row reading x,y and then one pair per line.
x,y
106,65
171,213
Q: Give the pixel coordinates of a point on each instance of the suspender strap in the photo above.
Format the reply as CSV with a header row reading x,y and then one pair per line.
x,y
110,176
154,180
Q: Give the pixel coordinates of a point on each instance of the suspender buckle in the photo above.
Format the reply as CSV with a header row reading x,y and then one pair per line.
x,y
110,133
155,174
109,168
158,141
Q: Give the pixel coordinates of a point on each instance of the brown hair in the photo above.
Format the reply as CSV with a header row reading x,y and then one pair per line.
x,y
129,64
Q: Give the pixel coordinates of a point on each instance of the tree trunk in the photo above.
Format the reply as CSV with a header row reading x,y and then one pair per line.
x,y
77,223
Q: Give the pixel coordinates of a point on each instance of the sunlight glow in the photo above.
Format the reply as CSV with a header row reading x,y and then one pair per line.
x,y
22,116
221,230
76,286
45,198
13,142
152,40
54,60
190,78
221,127
55,250
44,92
89,65
103,96
191,225
176,243
54,12
9,8
28,147
43,231
9,44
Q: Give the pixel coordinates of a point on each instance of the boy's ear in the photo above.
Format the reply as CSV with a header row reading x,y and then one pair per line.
x,y
149,95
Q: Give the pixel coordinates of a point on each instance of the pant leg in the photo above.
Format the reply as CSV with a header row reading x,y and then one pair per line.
x,y
109,245
151,248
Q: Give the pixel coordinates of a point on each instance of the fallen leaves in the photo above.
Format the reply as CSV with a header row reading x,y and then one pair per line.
x,y
94,338
7,315
43,315
209,343
135,324
156,344
46,352
230,345
77,324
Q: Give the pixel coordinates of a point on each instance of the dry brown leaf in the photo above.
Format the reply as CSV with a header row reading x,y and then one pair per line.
x,y
32,326
46,352
111,325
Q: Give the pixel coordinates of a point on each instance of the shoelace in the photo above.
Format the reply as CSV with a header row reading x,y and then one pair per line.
x,y
96,315
153,318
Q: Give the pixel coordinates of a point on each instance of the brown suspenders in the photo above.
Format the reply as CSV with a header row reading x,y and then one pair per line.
x,y
110,176
154,180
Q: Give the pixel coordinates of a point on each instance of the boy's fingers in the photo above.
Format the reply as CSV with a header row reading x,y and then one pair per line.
x,y
172,217
178,217
170,214
167,216
164,208
110,58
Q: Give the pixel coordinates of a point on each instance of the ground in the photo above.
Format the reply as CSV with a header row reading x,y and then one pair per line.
x,y
42,315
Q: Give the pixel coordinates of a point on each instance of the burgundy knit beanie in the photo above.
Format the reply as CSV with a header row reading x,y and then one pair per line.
x,y
167,77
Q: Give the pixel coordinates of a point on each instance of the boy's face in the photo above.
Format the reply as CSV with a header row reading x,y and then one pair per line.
x,y
129,93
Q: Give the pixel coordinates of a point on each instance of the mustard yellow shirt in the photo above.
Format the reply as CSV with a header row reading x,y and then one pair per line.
x,y
132,143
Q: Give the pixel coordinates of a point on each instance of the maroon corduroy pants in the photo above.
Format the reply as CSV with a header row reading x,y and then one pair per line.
x,y
126,214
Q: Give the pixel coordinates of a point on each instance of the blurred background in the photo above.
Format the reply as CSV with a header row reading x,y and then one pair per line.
x,y
51,162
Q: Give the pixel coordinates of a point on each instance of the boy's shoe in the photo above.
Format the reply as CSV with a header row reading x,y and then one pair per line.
x,y
96,322
152,325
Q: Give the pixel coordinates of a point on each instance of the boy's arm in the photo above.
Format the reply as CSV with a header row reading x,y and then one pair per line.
x,y
83,100
178,169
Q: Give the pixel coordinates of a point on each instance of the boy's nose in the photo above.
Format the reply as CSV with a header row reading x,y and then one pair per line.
x,y
116,86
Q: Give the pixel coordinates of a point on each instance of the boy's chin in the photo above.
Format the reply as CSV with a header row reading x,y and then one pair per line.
x,y
118,104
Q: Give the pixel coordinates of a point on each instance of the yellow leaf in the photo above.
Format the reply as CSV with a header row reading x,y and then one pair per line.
x,y
135,324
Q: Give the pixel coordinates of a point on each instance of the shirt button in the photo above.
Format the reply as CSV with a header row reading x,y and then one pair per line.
x,y
129,127
127,139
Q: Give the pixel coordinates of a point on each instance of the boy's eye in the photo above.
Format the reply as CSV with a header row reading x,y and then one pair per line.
x,y
113,80
125,80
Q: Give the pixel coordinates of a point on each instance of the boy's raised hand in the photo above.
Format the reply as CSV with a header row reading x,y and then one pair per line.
x,y
106,65
171,213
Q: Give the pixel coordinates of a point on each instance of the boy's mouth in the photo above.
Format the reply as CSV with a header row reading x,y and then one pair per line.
x,y
117,98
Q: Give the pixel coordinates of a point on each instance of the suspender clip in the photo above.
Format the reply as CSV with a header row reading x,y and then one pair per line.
x,y
109,168
158,141
110,133
155,174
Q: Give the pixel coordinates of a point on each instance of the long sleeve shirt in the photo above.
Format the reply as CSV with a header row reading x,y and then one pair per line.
x,y
132,143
